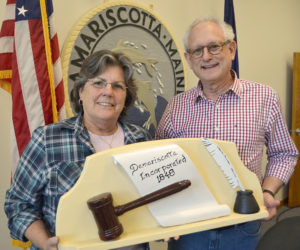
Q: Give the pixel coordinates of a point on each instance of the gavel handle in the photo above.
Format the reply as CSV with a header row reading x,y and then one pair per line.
x,y
161,193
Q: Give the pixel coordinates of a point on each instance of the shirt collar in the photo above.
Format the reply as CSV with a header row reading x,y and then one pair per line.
x,y
235,88
75,123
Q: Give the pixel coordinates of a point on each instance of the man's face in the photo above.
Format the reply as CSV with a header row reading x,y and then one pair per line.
x,y
210,68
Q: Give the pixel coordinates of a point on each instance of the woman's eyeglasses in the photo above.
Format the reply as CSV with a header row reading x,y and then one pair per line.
x,y
101,84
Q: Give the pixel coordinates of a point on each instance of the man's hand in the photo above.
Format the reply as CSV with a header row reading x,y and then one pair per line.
x,y
168,239
271,205
273,184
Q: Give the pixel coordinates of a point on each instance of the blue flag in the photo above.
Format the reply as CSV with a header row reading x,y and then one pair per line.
x,y
229,18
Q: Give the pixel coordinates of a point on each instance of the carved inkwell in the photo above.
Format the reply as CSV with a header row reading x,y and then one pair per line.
x,y
245,202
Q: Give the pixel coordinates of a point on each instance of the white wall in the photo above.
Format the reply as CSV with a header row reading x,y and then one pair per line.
x,y
268,34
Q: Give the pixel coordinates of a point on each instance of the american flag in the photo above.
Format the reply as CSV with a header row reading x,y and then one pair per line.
x,y
230,19
30,66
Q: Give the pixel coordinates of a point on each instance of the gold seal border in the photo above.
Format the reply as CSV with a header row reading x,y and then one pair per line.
x,y
75,30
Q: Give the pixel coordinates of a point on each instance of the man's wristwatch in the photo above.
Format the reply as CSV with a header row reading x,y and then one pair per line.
x,y
269,192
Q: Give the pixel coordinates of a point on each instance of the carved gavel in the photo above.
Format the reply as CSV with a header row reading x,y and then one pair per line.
x,y
106,215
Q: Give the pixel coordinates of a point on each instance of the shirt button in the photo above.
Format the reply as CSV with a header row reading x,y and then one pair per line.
x,y
217,106
217,128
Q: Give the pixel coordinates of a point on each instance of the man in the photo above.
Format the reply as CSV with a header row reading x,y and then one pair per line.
x,y
224,107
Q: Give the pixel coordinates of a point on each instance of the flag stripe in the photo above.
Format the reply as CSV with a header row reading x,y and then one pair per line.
x,y
27,74
38,50
57,73
51,25
21,127
48,52
7,36
5,62
10,12
58,89
54,46
7,28
6,44
11,2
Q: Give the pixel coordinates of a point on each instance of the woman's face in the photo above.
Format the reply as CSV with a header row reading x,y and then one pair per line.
x,y
103,97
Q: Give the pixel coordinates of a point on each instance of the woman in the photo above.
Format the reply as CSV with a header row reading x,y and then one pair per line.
x,y
53,160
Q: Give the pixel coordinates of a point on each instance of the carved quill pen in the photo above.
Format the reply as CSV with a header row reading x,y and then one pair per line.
x,y
223,162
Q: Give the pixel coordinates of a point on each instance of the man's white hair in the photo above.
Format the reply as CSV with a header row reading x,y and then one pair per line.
x,y
226,28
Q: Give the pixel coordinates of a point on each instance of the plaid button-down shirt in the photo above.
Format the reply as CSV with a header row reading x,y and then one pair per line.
x,y
50,165
248,114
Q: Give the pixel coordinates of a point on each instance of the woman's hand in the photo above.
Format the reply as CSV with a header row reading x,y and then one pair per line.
x,y
38,235
52,243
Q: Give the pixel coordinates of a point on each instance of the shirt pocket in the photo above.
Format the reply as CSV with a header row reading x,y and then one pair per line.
x,y
62,177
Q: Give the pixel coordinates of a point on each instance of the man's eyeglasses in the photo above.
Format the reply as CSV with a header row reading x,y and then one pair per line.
x,y
101,84
213,49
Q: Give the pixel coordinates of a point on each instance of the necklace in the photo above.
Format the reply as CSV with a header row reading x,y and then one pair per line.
x,y
103,142
110,140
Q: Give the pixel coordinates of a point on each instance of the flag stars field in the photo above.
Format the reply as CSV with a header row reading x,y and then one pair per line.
x,y
22,11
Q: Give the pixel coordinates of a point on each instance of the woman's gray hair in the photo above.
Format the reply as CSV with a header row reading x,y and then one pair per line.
x,y
94,65
227,29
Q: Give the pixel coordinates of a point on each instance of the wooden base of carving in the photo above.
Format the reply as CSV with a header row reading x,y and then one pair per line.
x,y
75,224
